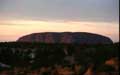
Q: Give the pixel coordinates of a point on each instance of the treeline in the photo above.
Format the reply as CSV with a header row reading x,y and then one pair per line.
x,y
23,54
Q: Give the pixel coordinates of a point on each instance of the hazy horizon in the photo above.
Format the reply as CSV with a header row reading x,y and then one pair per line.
x,y
21,17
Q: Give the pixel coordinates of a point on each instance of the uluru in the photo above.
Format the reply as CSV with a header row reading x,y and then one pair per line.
x,y
66,37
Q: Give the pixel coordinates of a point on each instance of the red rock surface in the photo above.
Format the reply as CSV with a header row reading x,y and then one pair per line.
x,y
66,37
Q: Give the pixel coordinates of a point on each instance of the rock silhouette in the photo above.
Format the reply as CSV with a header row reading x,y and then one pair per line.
x,y
66,37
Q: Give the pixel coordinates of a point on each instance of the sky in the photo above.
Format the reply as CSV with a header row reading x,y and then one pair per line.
x,y
21,17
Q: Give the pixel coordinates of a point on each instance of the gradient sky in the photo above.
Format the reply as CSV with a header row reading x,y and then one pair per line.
x,y
21,17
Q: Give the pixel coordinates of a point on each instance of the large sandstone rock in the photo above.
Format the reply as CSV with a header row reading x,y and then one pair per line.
x,y
66,37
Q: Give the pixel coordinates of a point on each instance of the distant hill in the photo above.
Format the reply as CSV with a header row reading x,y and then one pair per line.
x,y
66,37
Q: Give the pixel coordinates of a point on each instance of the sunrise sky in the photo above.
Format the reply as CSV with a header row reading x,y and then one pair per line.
x,y
21,17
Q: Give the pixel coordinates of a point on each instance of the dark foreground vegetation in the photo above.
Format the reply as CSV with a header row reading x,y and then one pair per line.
x,y
20,58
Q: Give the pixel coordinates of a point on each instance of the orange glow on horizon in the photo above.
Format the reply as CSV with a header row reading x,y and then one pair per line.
x,y
13,29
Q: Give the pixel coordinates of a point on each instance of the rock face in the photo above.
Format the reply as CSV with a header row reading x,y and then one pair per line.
x,y
66,37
